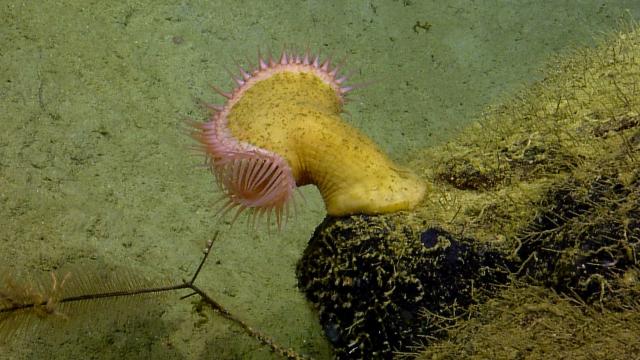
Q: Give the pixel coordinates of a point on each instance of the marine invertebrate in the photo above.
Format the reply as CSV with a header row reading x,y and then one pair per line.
x,y
281,128
26,304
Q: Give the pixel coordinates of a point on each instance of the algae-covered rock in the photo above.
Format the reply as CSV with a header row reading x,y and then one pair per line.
x,y
528,322
543,191
372,278
586,238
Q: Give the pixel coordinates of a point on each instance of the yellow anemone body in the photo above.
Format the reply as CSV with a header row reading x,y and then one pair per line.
x,y
297,116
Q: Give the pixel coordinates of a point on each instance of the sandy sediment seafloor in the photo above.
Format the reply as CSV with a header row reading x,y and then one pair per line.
x,y
95,169
540,201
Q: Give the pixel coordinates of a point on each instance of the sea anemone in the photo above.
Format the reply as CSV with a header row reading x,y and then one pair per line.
x,y
281,128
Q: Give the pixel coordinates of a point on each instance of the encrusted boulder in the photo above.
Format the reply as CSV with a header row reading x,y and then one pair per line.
x,y
375,283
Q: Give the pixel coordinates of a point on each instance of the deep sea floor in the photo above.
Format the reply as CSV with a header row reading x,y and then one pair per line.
x,y
97,173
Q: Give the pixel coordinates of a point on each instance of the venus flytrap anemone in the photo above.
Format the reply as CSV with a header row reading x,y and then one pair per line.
x,y
281,128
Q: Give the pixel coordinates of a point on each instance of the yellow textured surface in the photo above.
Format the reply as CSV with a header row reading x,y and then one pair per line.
x,y
297,116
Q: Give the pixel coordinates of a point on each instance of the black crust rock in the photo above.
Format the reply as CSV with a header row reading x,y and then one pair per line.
x,y
376,284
